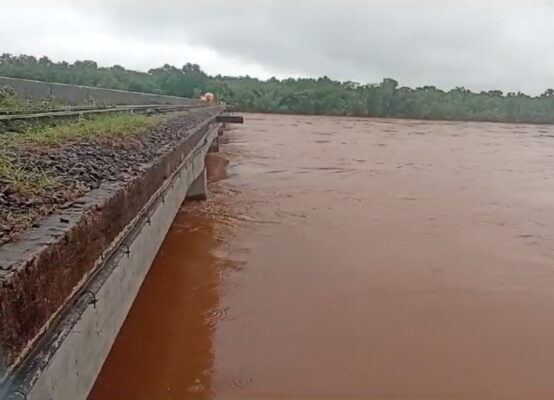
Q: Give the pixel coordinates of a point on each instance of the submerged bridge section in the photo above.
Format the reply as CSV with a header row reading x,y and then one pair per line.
x,y
67,286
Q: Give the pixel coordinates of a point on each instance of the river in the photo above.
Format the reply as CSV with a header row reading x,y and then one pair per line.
x,y
353,258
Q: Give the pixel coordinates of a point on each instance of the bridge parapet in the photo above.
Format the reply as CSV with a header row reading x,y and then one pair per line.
x,y
76,95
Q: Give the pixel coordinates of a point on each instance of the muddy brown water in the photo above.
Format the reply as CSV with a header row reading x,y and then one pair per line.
x,y
354,258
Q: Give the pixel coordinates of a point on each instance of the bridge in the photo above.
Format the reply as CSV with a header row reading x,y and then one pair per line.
x,y
68,283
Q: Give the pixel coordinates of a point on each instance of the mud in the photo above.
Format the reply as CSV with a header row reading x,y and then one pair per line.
x,y
354,258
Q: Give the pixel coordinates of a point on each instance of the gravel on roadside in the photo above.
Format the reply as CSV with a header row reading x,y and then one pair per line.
x,y
75,167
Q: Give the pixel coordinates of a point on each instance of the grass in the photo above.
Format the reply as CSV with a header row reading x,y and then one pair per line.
x,y
25,180
108,129
30,183
11,102
114,127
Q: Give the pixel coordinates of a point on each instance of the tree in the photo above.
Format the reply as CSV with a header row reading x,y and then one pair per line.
x,y
295,95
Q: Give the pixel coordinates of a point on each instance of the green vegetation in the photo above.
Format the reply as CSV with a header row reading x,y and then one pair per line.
x,y
30,182
109,129
187,81
112,127
31,185
303,96
25,180
11,102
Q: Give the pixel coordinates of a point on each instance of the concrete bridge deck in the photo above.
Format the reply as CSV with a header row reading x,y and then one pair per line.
x,y
65,364
126,225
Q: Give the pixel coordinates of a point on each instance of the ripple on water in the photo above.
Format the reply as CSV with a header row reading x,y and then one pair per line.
x,y
414,238
215,315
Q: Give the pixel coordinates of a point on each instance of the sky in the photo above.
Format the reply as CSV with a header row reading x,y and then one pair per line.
x,y
478,44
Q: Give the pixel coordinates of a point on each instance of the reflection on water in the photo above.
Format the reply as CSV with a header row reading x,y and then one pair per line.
x,y
165,348
354,258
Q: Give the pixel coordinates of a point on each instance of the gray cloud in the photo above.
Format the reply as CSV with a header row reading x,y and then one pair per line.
x,y
477,44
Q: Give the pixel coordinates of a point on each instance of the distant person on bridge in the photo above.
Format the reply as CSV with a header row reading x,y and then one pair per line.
x,y
207,97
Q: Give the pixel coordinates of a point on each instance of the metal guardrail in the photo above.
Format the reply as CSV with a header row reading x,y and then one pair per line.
x,y
80,112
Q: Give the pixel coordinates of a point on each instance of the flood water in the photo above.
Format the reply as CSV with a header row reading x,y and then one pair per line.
x,y
353,258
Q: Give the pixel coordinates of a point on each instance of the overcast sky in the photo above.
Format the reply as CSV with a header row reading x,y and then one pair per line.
x,y
479,44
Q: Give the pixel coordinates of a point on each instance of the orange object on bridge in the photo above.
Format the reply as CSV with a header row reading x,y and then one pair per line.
x,y
207,97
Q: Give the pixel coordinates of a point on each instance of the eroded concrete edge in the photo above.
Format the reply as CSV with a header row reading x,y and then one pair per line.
x,y
83,341
45,270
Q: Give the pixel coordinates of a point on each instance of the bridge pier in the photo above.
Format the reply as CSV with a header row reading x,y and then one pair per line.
x,y
198,190
214,147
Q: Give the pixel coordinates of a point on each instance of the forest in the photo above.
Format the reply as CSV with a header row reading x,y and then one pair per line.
x,y
318,96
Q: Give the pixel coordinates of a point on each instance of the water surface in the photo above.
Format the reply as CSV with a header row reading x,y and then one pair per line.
x,y
354,258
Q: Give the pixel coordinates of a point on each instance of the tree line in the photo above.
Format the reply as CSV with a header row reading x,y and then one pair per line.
x,y
321,96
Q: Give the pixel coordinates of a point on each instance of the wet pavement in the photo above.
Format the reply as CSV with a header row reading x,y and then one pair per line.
x,y
353,258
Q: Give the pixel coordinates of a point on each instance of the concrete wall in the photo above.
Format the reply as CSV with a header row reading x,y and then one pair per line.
x,y
75,95
71,371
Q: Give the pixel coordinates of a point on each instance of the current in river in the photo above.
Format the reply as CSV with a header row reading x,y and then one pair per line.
x,y
353,258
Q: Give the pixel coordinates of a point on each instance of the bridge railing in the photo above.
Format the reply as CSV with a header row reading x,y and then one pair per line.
x,y
76,95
